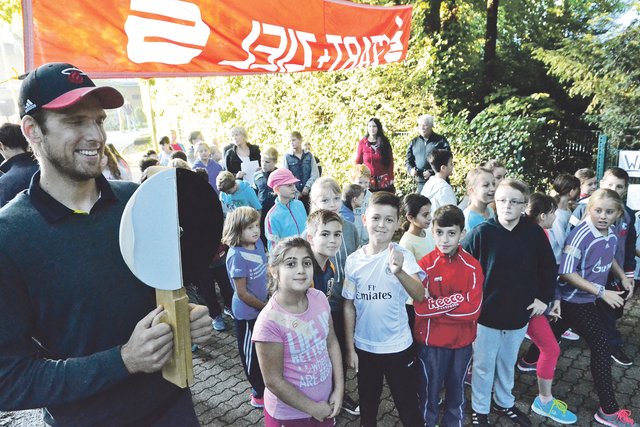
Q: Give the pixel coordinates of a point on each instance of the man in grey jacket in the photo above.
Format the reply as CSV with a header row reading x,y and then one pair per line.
x,y
420,147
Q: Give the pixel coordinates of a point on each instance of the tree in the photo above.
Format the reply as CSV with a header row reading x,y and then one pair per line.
x,y
606,70
511,119
432,18
8,10
490,42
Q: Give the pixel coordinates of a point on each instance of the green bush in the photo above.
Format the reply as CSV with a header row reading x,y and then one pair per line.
x,y
514,129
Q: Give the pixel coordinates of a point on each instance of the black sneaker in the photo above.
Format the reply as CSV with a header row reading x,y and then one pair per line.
x,y
513,413
350,406
620,357
481,420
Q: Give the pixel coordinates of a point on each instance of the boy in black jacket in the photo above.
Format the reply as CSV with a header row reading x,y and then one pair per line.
x,y
520,272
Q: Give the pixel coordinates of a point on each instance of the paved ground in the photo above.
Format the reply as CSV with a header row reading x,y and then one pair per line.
x,y
221,392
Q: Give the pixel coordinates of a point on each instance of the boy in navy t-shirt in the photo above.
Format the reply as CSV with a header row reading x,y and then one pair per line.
x,y
324,234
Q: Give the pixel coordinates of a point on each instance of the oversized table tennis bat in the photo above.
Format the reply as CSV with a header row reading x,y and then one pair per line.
x,y
170,229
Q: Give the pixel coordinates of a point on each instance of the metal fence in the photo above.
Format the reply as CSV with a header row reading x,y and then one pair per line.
x,y
572,149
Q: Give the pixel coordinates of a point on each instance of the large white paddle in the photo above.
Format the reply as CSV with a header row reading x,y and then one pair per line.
x,y
170,230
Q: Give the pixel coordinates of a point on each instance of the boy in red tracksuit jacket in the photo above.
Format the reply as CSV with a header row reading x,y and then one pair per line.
x,y
446,319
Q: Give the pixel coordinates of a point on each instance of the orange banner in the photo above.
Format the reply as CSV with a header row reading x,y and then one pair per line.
x,y
162,38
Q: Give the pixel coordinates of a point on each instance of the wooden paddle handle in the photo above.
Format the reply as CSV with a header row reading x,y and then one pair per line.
x,y
179,369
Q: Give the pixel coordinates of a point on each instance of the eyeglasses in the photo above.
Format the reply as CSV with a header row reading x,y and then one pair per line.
x,y
510,202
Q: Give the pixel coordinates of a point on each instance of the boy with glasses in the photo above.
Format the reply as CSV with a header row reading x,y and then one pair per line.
x,y
520,272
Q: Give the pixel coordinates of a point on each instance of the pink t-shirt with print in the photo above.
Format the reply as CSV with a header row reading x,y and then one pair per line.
x,y
306,359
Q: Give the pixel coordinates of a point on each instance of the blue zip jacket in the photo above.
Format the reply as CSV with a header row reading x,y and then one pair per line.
x,y
284,221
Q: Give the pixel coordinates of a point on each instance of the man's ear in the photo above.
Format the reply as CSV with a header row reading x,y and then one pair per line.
x,y
31,130
463,233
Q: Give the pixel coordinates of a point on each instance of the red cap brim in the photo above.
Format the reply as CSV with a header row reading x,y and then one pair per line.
x,y
108,97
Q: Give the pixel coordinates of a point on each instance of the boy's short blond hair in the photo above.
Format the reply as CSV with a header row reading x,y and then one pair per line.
x,y
225,181
360,171
517,185
270,152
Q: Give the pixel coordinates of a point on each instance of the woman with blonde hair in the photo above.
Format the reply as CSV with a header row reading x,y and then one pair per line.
x,y
239,152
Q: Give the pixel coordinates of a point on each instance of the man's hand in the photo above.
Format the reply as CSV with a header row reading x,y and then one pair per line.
x,y
427,174
150,345
200,324
414,172
305,191
396,259
240,175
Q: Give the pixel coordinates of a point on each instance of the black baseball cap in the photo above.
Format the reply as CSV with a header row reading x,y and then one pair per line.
x,y
57,85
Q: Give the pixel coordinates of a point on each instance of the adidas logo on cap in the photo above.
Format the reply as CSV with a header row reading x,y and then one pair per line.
x,y
28,106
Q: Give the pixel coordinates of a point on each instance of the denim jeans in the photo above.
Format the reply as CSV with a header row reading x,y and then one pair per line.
x,y
495,353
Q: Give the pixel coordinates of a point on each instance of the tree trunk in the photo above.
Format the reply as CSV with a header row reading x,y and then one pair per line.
x,y
489,59
432,18
491,34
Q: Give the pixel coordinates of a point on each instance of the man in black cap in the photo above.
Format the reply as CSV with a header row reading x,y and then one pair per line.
x,y
19,164
79,334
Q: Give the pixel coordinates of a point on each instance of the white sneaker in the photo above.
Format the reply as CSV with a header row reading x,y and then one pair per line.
x,y
570,335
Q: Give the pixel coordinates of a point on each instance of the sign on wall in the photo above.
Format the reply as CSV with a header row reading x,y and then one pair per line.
x,y
630,161
163,38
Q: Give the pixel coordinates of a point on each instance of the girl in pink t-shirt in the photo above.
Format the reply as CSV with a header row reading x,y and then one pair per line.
x,y
297,348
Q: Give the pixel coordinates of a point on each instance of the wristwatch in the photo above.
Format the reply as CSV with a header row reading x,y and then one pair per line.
x,y
601,290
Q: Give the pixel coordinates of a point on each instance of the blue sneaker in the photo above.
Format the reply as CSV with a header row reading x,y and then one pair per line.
x,y
218,323
555,409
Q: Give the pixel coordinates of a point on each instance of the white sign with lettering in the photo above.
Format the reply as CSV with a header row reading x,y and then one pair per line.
x,y
630,161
